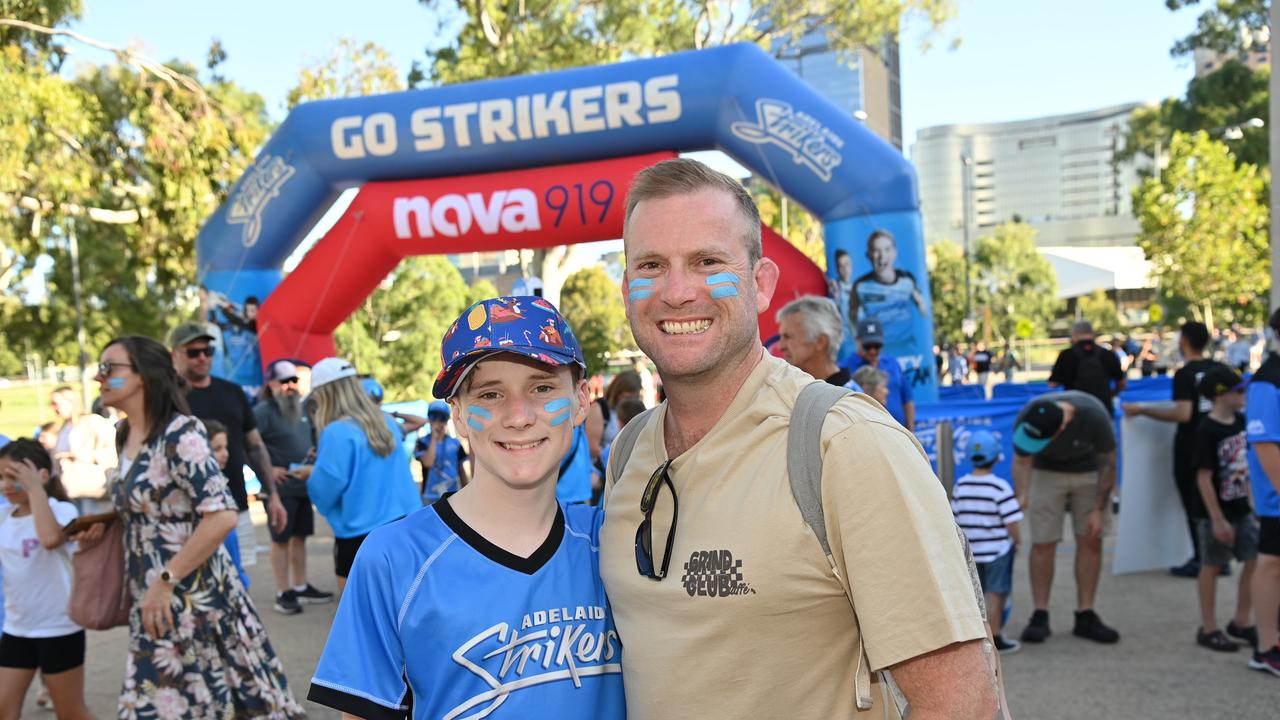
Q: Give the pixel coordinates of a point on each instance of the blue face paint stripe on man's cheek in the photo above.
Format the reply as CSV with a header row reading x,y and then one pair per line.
x,y
724,277
556,405
641,289
723,291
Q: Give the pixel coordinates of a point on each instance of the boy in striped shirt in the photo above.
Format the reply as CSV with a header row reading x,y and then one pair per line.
x,y
987,510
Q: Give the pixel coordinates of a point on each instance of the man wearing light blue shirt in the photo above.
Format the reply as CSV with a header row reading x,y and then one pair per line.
x,y
901,402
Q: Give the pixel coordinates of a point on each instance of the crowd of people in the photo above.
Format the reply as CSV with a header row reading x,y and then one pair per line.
x,y
484,587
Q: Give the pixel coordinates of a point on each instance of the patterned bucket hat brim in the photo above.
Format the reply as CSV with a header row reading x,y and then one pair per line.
x,y
524,325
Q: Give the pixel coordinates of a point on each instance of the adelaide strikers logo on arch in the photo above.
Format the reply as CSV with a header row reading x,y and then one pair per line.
x,y
259,185
808,141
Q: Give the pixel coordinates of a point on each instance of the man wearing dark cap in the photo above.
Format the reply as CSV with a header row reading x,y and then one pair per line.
x,y
1065,459
901,403
224,401
1088,366
1262,427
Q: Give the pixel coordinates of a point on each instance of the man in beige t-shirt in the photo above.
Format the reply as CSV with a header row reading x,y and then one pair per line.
x,y
749,619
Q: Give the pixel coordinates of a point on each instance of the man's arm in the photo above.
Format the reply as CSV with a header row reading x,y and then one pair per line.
x,y
909,413
957,681
1179,413
260,461
1021,477
1106,483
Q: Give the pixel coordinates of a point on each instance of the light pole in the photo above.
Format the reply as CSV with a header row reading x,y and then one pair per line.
x,y
966,163
1235,131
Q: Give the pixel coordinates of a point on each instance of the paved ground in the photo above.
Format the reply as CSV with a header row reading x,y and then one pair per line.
x,y
1157,671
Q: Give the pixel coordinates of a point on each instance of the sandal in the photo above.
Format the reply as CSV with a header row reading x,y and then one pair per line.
x,y
1216,640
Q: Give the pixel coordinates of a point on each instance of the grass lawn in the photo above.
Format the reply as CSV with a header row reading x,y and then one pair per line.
x,y
23,408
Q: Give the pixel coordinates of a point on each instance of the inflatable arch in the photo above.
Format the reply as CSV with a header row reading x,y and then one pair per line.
x,y
545,160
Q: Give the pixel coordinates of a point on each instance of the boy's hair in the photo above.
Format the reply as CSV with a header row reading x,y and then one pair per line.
x,y
986,465
29,449
213,427
629,409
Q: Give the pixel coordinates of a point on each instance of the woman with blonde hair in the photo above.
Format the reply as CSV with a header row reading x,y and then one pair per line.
x,y
361,478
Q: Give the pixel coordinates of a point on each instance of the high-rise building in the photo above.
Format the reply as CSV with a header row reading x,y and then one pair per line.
x,y
865,83
1058,173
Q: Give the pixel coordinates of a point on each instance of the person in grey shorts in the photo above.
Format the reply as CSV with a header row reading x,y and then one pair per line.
x,y
1065,459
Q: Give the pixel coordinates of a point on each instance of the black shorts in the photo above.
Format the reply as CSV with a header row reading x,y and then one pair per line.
x,y
344,554
51,655
301,522
1269,535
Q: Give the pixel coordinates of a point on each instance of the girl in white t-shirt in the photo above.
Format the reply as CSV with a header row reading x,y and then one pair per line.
x,y
38,634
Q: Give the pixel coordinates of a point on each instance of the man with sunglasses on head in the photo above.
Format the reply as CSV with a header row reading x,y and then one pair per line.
x,y
723,597
901,403
191,345
287,432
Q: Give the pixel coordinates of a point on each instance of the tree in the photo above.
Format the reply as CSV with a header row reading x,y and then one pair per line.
x,y
800,229
1205,228
1013,279
350,70
1101,312
1230,96
592,304
395,335
945,260
131,157
1229,26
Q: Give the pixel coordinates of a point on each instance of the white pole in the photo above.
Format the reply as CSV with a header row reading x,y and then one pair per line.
x,y
1273,135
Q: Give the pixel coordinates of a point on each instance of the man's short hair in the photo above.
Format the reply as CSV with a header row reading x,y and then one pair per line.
x,y
682,176
820,317
1081,327
1196,335
869,376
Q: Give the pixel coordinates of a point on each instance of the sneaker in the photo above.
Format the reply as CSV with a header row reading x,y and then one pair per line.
x,y
1007,646
1248,634
1091,627
287,603
1037,629
1268,661
1188,569
311,596
1215,640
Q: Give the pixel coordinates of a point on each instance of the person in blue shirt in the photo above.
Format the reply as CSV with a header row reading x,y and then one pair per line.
x,y
1262,427
488,603
361,478
901,402
441,455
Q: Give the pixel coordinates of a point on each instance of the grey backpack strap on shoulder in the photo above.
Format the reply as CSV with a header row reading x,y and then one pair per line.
x,y
625,441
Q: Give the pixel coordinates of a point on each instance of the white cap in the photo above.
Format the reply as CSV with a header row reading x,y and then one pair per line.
x,y
330,369
282,370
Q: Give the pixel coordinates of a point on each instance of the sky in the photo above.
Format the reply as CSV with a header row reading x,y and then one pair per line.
x,y
1016,58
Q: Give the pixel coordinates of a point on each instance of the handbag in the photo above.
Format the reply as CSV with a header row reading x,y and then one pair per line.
x,y
99,594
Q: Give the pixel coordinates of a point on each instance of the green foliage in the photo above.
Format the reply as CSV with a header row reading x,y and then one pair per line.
x,y
1229,25
1205,227
1231,95
592,304
1013,280
395,335
129,161
1101,312
498,39
803,230
945,260
350,70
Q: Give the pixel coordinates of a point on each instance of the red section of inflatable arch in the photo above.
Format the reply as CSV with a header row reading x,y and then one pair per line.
x,y
537,208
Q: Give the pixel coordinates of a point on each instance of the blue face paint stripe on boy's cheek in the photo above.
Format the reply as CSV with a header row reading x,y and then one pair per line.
x,y
475,424
560,419
724,277
556,405
479,412
723,291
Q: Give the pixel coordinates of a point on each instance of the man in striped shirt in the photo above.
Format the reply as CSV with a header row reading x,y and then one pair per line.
x,y
987,510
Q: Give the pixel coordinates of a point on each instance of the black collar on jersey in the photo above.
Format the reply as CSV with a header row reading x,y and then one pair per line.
x,y
528,566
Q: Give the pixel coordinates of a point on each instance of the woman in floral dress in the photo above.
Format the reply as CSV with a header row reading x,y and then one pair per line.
x,y
196,646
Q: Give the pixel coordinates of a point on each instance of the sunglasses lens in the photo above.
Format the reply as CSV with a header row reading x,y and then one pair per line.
x,y
644,555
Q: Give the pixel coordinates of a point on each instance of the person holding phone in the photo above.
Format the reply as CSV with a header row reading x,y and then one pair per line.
x,y
38,633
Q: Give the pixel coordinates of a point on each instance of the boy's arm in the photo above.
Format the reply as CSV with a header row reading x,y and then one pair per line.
x,y
1015,532
1204,481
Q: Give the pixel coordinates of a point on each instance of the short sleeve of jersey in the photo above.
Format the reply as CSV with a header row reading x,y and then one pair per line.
x,y
1063,368
246,412
905,393
1184,386
1263,413
361,671
1206,448
894,538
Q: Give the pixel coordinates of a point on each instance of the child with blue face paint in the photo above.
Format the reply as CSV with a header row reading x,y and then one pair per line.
x,y
454,593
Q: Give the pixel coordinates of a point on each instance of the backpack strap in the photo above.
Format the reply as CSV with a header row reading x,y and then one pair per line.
x,y
624,442
804,454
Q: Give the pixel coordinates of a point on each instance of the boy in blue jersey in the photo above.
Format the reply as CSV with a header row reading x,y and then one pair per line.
x,y
441,455
488,603
1262,427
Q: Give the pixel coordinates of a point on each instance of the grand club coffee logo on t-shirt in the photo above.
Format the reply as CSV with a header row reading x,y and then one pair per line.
x,y
714,573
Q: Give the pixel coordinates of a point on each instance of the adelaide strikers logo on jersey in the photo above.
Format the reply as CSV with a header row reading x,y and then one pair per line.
x,y
552,645
714,573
